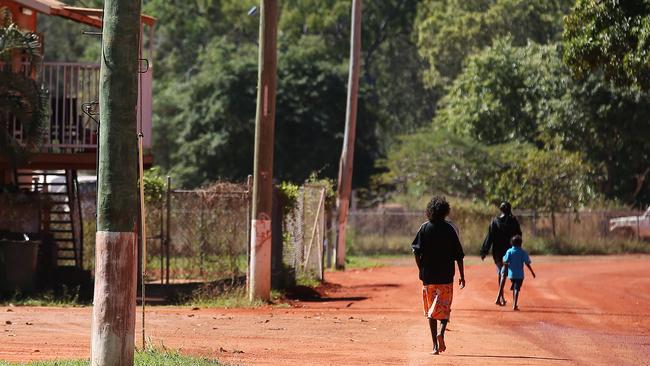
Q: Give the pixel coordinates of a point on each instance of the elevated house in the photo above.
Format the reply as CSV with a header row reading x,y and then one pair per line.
x,y
70,136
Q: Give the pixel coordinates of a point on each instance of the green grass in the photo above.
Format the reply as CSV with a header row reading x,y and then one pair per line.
x,y
67,298
307,281
148,357
374,261
234,297
190,267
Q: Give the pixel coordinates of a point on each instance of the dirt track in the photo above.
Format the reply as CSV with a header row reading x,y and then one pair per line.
x,y
581,311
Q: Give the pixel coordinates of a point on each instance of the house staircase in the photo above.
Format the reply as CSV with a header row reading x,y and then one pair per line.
x,y
61,214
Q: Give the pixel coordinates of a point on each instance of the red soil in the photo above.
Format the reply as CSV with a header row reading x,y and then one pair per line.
x,y
579,311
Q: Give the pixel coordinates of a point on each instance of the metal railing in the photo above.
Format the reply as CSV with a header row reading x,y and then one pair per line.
x,y
73,90
72,87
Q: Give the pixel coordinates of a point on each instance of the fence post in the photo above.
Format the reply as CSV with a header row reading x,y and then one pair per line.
x,y
202,237
161,236
331,237
168,227
249,195
383,227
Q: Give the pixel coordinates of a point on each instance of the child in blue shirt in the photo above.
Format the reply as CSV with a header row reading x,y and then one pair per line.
x,y
513,263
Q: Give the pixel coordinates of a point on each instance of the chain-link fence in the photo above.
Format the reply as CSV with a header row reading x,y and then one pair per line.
x,y
386,231
203,235
199,235
192,235
306,235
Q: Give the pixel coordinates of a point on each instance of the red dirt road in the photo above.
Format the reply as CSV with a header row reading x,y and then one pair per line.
x,y
579,311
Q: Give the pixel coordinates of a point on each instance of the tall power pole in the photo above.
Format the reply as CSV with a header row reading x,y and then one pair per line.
x,y
113,322
260,261
346,164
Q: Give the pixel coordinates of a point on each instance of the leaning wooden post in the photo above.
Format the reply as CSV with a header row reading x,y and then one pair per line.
x,y
347,155
260,262
113,323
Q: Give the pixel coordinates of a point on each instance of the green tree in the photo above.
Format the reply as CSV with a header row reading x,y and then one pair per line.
x,y
216,114
509,94
392,71
609,125
438,161
503,94
546,180
213,116
204,88
610,35
448,31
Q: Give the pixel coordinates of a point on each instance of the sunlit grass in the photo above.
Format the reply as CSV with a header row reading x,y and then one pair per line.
x,y
66,298
233,297
147,357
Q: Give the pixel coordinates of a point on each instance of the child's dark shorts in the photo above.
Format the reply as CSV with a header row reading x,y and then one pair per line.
x,y
516,283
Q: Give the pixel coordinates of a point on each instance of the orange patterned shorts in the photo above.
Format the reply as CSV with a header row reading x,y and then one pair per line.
x,y
437,300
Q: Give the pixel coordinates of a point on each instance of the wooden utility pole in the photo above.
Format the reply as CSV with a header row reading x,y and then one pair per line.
x,y
260,245
346,163
113,322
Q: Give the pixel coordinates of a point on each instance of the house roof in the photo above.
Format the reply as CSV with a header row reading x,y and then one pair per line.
x,y
92,17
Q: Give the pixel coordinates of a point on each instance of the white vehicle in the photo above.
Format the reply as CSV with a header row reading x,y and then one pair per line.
x,y
632,226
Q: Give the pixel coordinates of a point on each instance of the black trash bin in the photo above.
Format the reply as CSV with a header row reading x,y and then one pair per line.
x,y
18,263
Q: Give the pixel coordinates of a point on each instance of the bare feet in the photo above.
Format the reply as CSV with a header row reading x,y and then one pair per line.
x,y
434,352
441,343
515,308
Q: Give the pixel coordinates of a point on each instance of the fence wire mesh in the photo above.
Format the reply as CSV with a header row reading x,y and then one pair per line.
x,y
208,233
304,236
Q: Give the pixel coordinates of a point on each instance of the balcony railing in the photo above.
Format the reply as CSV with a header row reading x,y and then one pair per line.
x,y
71,86
74,92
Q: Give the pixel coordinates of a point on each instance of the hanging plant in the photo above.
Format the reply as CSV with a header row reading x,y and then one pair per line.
x,y
20,95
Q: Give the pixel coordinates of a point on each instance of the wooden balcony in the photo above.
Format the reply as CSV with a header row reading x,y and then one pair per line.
x,y
71,132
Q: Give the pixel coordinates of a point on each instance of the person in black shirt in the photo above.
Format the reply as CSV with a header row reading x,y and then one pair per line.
x,y
501,230
436,247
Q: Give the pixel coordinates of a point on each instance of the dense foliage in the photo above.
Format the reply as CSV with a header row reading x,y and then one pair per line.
x,y
206,77
451,30
472,98
610,35
20,95
512,102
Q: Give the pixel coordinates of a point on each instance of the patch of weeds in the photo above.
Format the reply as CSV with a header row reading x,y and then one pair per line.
x,y
307,281
66,297
375,261
147,357
229,297
221,297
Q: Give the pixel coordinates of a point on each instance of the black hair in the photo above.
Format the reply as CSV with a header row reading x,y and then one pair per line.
x,y
438,208
506,207
516,241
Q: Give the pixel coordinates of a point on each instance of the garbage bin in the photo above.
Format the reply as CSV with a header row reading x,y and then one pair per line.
x,y
18,265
